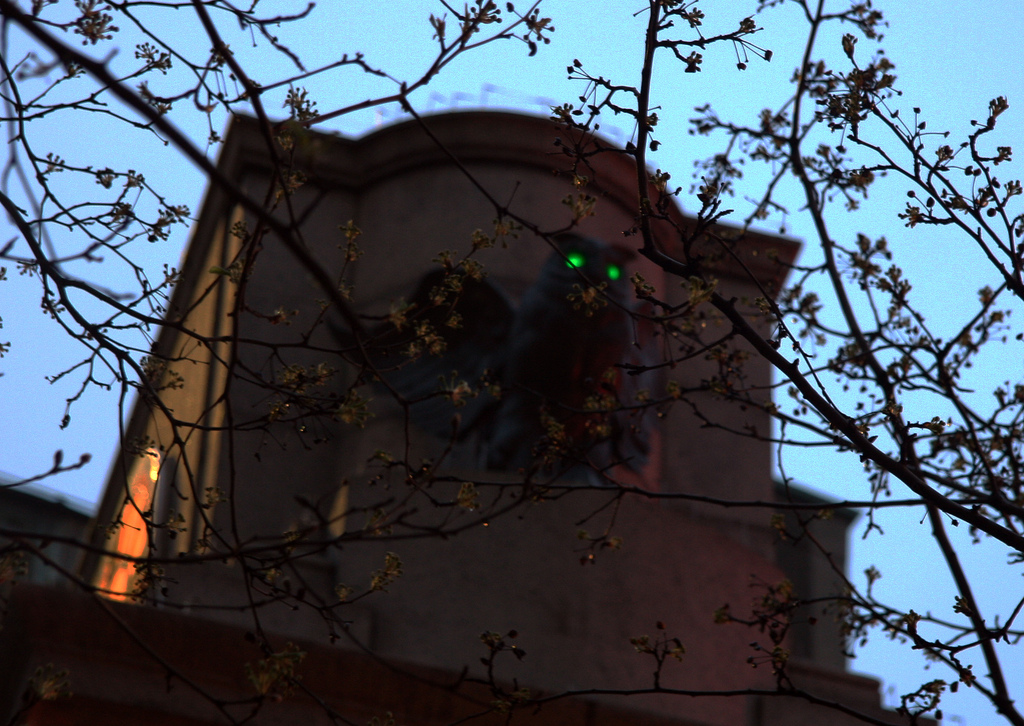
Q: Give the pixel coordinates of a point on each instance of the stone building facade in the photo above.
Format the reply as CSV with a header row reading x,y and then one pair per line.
x,y
415,190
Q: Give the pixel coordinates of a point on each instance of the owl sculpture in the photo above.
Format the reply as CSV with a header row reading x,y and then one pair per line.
x,y
553,381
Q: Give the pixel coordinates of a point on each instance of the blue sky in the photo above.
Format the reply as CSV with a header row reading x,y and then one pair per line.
x,y
951,59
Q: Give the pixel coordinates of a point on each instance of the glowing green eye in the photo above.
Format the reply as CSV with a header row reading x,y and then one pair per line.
x,y
614,272
575,259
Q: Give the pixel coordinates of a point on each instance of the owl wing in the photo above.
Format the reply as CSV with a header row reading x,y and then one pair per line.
x,y
447,337
638,376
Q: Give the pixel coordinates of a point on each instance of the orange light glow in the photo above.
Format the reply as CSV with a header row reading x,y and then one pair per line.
x,y
116,575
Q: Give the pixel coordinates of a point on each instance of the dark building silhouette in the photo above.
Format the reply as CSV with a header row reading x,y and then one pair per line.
x,y
404,651
33,509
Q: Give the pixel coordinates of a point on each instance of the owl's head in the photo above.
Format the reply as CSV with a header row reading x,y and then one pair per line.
x,y
595,259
